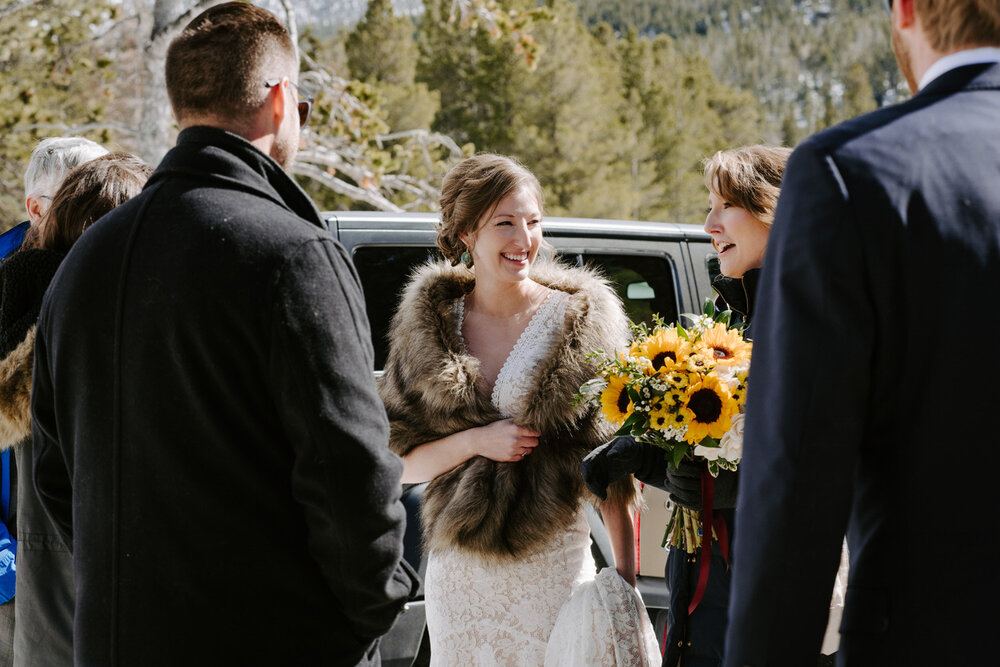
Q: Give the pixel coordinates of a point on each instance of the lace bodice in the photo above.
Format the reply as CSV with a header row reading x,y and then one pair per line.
x,y
515,379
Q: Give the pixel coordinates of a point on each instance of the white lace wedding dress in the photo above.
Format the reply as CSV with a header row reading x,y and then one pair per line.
x,y
482,612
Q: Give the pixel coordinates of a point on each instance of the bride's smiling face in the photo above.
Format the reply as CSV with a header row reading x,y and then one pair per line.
x,y
508,238
738,237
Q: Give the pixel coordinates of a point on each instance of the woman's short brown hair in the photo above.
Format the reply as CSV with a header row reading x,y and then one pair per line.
x,y
748,177
471,190
89,191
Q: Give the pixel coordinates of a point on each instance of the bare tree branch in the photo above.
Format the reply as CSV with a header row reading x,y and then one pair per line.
x,y
291,26
165,26
344,188
9,9
426,137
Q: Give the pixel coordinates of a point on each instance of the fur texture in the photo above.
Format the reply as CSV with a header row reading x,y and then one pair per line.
x,y
15,392
431,389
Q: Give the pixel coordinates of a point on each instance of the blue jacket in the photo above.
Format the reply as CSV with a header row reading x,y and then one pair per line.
x,y
11,239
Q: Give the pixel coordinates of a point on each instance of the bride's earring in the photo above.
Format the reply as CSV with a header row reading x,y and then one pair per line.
x,y
466,258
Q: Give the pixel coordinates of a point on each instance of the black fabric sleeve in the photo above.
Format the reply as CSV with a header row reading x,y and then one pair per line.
x,y
52,465
344,476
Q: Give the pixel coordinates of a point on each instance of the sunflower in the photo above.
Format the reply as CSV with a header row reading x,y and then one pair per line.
x,y
724,345
665,349
698,362
677,380
615,402
674,397
669,415
711,407
659,419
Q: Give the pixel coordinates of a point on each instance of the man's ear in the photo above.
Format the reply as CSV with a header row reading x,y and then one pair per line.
x,y
35,207
279,104
904,10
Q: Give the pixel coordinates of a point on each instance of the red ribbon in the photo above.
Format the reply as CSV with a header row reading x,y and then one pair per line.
x,y
709,518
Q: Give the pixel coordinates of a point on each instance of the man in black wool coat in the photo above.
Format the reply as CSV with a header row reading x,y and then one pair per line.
x,y
209,440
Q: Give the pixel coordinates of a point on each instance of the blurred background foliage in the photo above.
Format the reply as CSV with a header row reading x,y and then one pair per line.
x,y
612,104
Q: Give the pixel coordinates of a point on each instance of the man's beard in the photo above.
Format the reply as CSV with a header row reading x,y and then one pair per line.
x,y
283,151
903,58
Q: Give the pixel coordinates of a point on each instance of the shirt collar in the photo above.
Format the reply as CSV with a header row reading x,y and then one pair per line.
x,y
986,54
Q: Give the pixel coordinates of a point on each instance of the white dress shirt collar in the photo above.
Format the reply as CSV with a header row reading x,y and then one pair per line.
x,y
986,54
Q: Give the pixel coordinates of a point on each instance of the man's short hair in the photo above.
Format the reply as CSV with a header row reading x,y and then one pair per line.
x,y
55,157
954,24
218,64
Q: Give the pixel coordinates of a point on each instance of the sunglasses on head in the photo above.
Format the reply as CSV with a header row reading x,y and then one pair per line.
x,y
304,105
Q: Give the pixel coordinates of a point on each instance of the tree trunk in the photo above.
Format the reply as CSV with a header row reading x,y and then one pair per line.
x,y
156,127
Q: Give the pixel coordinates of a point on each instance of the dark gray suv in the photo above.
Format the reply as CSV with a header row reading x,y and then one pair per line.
x,y
655,267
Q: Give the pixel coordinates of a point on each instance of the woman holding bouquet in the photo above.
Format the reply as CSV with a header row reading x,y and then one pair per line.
x,y
743,187
487,350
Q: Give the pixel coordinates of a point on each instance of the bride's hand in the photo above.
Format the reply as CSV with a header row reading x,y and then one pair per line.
x,y
504,441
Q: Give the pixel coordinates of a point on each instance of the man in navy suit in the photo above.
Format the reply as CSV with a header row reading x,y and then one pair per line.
x,y
874,379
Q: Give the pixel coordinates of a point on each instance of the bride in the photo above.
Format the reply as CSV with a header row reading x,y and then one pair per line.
x,y
486,352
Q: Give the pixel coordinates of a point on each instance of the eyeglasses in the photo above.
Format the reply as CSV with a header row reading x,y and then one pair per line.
x,y
305,103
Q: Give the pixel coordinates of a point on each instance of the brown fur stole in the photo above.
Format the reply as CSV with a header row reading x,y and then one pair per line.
x,y
15,392
431,389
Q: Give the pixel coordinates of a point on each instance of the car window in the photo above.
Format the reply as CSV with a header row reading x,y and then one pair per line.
x,y
712,264
384,271
644,283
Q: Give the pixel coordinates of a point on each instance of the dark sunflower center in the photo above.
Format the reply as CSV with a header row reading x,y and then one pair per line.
x,y
659,360
722,353
706,406
623,401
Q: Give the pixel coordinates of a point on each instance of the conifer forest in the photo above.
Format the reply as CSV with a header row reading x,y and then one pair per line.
x,y
612,104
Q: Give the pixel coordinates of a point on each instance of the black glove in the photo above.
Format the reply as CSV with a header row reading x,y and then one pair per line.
x,y
684,485
620,457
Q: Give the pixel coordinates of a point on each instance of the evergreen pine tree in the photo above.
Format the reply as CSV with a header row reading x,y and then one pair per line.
x,y
382,52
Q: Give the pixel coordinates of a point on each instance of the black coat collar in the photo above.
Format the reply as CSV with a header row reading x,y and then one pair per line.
x,y
982,76
738,294
209,153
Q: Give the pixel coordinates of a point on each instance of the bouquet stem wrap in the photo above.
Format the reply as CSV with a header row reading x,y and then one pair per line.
x,y
711,522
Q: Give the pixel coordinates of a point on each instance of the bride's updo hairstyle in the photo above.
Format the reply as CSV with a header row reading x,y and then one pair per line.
x,y
748,177
471,191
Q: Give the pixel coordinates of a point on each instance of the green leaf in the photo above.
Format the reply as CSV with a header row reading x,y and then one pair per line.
x,y
713,468
709,442
708,308
725,317
682,332
634,419
678,455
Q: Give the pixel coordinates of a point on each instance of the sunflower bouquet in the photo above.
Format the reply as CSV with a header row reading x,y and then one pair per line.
x,y
681,388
